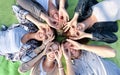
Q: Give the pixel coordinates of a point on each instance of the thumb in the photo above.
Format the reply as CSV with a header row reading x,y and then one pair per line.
x,y
56,16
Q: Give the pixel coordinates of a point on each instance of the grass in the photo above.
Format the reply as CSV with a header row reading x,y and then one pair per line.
x,y
7,17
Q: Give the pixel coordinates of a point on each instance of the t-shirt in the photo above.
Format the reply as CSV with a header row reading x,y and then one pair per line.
x,y
45,3
91,64
10,40
107,10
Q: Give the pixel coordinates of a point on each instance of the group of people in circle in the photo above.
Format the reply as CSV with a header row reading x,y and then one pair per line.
x,y
33,41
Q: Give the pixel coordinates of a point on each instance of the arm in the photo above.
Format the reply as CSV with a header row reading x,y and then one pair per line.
x,y
101,12
28,65
62,3
31,6
76,34
103,51
33,20
70,70
53,11
67,56
63,15
36,10
58,57
82,11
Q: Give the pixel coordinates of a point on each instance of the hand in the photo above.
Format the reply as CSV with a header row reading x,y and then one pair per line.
x,y
77,35
71,24
74,45
44,27
49,20
46,48
53,23
58,55
81,26
63,15
54,13
48,40
66,53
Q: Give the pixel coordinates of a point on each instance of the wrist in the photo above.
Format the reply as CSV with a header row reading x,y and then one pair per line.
x,y
59,65
82,46
88,35
60,68
44,16
76,14
68,60
62,3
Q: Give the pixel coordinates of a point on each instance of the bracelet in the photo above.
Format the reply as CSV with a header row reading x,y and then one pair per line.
x,y
60,68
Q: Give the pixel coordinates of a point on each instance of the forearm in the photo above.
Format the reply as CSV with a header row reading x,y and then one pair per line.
x,y
33,20
70,70
39,49
29,65
60,68
62,3
103,51
88,35
89,22
76,15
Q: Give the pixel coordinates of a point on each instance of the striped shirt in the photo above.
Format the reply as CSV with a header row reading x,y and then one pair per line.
x,y
91,64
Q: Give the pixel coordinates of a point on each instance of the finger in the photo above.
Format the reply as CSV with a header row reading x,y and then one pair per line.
x,y
73,38
69,40
55,55
56,16
60,51
52,38
60,15
67,17
62,48
69,53
48,45
66,28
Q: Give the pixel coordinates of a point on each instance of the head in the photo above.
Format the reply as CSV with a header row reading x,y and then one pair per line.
x,y
41,35
75,54
51,50
72,32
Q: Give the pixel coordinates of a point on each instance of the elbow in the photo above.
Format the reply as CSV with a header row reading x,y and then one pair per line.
x,y
111,54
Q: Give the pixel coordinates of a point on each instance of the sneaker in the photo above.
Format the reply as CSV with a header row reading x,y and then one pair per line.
x,y
20,14
4,27
16,9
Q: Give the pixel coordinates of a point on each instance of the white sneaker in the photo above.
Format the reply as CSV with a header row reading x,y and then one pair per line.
x,y
20,14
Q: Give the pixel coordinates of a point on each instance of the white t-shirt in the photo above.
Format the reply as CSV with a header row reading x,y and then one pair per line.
x,y
107,10
10,40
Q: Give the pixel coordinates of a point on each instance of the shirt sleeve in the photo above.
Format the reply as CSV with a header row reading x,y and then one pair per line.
x,y
107,10
31,6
